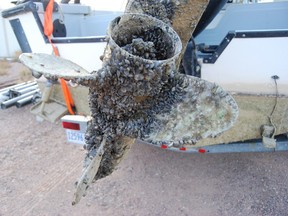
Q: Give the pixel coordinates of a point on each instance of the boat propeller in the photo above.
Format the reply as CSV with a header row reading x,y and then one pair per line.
x,y
139,94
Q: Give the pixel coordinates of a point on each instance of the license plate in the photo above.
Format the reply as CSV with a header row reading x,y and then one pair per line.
x,y
75,137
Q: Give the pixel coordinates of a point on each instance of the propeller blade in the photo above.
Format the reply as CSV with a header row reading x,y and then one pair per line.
x,y
206,110
53,67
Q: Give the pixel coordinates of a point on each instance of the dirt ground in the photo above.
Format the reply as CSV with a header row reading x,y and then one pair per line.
x,y
38,169
13,72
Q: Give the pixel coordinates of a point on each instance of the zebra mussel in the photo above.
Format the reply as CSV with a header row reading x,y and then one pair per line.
x,y
135,82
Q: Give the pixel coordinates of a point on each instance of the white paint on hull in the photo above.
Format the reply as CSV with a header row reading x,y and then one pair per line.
x,y
247,64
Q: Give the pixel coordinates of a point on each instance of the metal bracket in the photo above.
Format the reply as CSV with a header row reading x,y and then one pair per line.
x,y
268,140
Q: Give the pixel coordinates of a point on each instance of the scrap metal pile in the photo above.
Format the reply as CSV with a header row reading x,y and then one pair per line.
x,y
19,95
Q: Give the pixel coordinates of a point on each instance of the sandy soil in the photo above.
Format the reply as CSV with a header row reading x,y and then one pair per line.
x,y
12,72
38,170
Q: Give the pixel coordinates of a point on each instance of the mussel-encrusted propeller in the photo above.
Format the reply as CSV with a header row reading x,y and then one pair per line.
x,y
139,93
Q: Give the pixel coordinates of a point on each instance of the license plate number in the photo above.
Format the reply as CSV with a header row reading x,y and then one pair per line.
x,y
75,137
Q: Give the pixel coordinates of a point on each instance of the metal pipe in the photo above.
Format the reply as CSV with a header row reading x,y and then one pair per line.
x,y
10,87
23,91
25,86
3,98
5,93
7,89
14,92
12,101
24,101
15,86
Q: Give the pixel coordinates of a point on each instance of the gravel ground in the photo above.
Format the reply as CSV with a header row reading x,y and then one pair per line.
x,y
38,170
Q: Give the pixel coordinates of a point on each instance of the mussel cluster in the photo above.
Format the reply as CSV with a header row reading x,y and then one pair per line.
x,y
161,9
138,79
